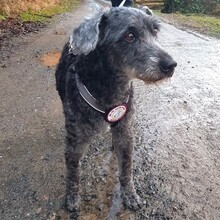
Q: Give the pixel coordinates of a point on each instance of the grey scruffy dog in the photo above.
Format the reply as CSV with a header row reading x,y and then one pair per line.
x,y
93,79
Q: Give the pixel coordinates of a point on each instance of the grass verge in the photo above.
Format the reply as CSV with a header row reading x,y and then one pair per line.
x,y
204,24
45,14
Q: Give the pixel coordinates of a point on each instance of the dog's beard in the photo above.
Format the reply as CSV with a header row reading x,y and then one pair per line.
x,y
152,77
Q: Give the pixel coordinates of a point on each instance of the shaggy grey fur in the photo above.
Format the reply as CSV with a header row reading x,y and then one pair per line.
x,y
107,52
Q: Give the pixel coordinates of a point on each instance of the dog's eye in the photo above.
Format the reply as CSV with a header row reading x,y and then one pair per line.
x,y
129,37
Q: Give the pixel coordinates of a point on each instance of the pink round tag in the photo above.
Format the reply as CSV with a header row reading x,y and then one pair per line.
x,y
116,114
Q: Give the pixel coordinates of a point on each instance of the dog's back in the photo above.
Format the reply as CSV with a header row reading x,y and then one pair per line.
x,y
64,67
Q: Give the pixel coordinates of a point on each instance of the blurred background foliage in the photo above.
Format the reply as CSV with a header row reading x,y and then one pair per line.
x,y
211,7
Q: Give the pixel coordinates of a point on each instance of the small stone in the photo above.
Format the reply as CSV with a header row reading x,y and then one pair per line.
x,y
59,32
38,211
87,198
174,208
100,207
4,66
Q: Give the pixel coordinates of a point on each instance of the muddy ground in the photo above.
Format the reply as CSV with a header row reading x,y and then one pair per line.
x,y
176,162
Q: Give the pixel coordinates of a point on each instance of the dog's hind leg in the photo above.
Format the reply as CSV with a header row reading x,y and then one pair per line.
x,y
122,140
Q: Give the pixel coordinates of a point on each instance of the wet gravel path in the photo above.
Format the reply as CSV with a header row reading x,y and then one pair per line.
x,y
176,162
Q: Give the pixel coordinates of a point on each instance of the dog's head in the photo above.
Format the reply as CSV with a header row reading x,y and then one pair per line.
x,y
127,39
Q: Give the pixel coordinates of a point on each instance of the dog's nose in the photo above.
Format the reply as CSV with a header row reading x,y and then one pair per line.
x,y
167,66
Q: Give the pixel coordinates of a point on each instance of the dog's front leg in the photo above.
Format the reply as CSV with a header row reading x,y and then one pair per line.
x,y
123,142
74,152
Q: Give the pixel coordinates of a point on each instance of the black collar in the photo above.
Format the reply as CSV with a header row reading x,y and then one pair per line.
x,y
112,115
94,103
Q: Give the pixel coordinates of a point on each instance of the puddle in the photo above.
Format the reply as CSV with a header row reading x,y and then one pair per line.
x,y
50,59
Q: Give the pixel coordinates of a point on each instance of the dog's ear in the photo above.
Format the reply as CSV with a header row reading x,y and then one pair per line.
x,y
85,38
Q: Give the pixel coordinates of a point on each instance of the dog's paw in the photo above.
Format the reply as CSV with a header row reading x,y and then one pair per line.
x,y
131,199
72,203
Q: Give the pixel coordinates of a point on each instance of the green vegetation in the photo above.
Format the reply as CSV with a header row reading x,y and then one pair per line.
x,y
200,15
45,14
210,24
192,6
205,24
2,17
